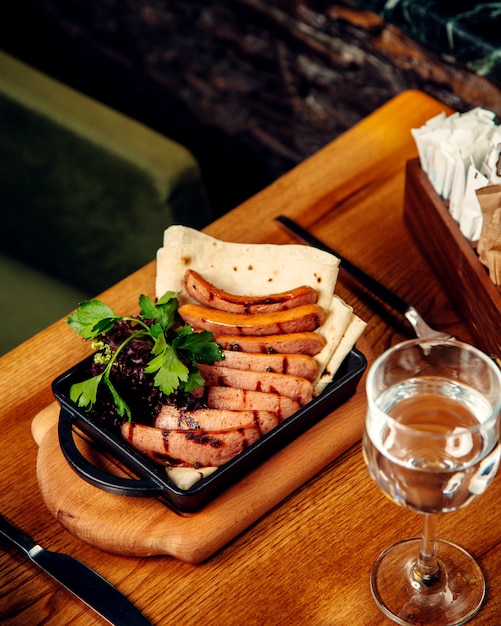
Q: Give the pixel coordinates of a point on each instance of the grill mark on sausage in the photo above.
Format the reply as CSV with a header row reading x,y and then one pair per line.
x,y
206,293
222,418
305,318
204,438
295,364
278,323
309,343
295,387
238,399
193,448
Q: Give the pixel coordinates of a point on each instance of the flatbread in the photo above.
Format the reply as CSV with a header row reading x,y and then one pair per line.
x,y
351,335
333,329
253,269
259,269
186,477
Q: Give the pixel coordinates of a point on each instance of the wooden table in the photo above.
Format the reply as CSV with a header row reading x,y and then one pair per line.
x,y
308,560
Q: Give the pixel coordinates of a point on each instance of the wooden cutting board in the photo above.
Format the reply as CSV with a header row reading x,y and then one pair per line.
x,y
146,527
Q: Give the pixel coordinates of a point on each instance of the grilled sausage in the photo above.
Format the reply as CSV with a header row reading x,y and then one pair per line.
x,y
304,318
209,295
195,448
215,419
233,398
294,364
290,343
295,387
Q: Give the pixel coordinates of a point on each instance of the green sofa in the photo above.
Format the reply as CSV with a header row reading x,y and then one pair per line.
x,y
85,195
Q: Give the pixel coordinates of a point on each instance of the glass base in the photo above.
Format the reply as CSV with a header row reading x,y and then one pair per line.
x,y
452,600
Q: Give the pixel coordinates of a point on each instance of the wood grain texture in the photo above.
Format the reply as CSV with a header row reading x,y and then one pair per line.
x,y
146,527
454,260
307,560
366,154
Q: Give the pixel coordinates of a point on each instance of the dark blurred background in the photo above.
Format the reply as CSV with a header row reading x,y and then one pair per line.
x,y
250,87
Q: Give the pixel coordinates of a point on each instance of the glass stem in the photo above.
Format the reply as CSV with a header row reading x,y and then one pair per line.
x,y
426,569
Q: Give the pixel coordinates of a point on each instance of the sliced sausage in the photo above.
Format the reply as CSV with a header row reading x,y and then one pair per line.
x,y
295,387
235,399
304,318
215,419
296,364
290,343
195,448
209,295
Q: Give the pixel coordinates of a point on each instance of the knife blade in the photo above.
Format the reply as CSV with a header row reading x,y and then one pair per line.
x,y
95,591
420,327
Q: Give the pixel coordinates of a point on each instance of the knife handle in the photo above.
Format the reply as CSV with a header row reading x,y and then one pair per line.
x,y
15,536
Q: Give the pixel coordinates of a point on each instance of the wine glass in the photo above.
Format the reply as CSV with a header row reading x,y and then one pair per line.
x,y
431,444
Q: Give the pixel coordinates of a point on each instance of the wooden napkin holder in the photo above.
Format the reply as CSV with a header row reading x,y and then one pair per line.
x,y
453,259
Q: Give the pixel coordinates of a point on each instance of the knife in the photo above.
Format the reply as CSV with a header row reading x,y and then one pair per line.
x,y
76,577
387,296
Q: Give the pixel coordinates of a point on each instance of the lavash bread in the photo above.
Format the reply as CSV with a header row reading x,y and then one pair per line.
x,y
259,269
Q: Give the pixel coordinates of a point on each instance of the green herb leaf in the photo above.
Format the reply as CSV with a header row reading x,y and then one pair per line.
x,y
147,307
170,371
92,318
175,352
164,311
195,379
199,345
157,331
121,406
159,345
84,394
167,298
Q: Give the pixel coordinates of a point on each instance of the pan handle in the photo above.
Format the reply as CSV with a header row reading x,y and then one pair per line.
x,y
145,487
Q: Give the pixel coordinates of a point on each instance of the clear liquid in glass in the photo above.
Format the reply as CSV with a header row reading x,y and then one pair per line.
x,y
438,462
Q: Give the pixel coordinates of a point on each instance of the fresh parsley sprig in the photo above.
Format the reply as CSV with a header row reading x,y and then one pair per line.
x,y
176,349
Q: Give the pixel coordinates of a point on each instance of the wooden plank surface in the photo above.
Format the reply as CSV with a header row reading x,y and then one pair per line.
x,y
306,561
146,527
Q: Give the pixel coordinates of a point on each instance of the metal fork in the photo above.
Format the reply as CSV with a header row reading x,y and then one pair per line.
x,y
420,327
